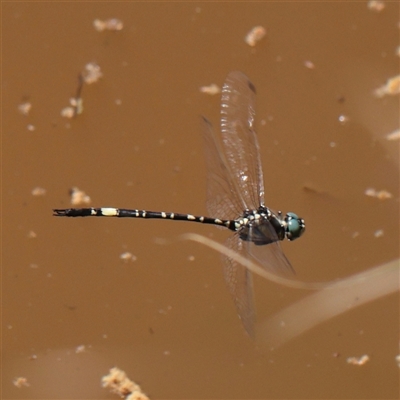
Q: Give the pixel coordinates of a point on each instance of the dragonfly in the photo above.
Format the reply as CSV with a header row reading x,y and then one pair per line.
x,y
235,198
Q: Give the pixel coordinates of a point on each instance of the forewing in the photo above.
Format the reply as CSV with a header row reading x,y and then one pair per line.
x,y
240,144
223,201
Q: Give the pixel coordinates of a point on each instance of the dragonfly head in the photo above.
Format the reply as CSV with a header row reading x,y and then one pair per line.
x,y
295,226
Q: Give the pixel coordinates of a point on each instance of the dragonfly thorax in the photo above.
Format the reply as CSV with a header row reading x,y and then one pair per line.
x,y
264,226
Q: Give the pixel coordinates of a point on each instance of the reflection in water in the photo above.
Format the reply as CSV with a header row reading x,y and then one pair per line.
x,y
330,300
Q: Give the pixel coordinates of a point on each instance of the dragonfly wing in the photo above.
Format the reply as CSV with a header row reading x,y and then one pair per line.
x,y
240,285
223,200
267,251
240,144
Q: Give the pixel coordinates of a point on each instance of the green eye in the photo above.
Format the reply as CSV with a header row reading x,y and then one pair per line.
x,y
295,226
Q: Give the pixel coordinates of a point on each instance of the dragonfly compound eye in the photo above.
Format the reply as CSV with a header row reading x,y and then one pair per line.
x,y
295,226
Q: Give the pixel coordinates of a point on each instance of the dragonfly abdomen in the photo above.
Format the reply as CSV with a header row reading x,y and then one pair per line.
x,y
130,213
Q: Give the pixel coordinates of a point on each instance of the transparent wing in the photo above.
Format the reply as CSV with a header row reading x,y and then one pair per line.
x,y
223,200
239,280
240,285
269,254
240,144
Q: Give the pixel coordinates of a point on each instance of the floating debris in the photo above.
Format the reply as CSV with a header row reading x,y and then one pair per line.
x,y
91,73
343,119
80,349
20,381
211,89
120,384
381,194
397,358
76,102
378,233
32,235
31,127
127,256
76,108
68,112
358,361
391,87
309,64
376,5
38,191
112,24
79,197
24,108
255,35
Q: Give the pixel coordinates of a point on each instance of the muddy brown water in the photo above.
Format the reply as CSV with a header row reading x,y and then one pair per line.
x,y
167,318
